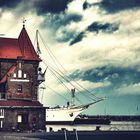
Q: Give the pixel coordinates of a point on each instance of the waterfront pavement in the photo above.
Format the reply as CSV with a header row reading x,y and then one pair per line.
x,y
72,135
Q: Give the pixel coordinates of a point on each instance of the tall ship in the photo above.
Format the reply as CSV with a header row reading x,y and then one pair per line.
x,y
21,78
68,113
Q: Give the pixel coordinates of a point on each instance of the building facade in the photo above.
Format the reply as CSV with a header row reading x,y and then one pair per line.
x,y
19,107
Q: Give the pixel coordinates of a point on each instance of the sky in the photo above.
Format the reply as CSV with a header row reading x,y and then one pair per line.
x,y
96,42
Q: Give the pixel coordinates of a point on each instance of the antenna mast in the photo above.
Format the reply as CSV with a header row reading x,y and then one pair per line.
x,y
24,20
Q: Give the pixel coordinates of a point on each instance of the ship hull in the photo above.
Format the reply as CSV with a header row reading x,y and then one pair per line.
x,y
80,121
62,115
59,122
65,115
91,121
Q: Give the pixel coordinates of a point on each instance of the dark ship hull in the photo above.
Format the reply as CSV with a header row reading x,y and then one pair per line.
x,y
92,121
81,121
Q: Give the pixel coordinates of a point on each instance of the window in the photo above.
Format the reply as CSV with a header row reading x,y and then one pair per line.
x,y
1,113
25,118
22,118
2,96
1,124
19,88
3,87
19,74
14,75
24,75
19,118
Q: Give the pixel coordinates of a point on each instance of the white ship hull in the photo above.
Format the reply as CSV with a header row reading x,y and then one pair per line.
x,y
64,114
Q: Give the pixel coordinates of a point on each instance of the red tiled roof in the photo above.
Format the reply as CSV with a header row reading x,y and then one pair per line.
x,y
19,103
11,48
11,70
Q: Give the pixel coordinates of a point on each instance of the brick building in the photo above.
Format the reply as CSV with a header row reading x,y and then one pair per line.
x,y
19,107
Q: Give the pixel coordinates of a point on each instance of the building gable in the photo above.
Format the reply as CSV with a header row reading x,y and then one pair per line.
x,y
12,48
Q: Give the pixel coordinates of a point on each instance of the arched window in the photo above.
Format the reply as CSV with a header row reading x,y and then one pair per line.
x,y
19,73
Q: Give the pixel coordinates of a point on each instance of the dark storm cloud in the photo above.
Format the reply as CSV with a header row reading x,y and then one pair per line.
x,y
106,27
50,6
117,76
113,6
60,20
78,38
118,5
67,35
41,6
8,4
96,27
86,5
57,24
72,17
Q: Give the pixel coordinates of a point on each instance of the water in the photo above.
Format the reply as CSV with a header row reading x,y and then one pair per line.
x,y
114,126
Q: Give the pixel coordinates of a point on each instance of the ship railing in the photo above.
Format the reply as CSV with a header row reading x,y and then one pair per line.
x,y
58,108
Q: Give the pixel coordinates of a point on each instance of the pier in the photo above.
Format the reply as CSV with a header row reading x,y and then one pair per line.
x,y
73,135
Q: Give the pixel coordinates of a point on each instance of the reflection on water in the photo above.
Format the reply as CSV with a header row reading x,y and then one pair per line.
x,y
122,126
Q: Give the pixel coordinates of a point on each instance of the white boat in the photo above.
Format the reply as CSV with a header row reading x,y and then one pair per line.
x,y
63,114
66,114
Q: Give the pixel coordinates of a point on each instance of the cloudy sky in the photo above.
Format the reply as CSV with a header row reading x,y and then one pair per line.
x,y
96,41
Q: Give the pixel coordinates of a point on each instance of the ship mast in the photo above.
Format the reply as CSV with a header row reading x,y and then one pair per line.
x,y
38,48
72,96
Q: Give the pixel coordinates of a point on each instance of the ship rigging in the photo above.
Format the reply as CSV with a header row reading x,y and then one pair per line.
x,y
71,110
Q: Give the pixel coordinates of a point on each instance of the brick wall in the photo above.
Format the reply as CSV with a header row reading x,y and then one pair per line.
x,y
29,89
35,116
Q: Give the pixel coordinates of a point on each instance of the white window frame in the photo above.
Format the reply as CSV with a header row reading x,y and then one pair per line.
x,y
1,123
15,75
25,75
1,113
19,73
19,118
